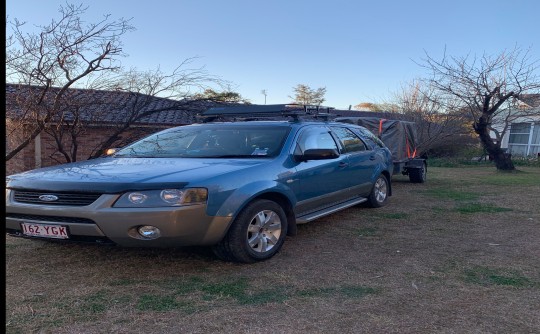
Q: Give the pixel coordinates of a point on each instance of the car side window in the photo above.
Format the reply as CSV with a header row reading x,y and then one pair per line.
x,y
350,141
316,138
370,136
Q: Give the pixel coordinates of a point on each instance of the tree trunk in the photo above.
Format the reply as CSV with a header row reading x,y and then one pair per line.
x,y
503,160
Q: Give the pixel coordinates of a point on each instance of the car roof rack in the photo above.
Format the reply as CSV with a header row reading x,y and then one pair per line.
x,y
248,112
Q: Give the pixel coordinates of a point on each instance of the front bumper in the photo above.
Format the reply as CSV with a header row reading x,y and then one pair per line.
x,y
99,221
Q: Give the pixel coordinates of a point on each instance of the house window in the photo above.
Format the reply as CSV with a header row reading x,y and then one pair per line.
x,y
535,140
524,139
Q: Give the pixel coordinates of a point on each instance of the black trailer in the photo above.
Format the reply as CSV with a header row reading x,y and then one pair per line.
x,y
400,137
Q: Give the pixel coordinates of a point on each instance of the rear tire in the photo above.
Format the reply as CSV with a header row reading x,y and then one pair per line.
x,y
379,193
256,234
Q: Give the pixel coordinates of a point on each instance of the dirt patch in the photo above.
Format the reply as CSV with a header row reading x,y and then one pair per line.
x,y
457,254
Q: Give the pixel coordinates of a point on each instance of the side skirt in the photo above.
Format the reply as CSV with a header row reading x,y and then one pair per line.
x,y
327,211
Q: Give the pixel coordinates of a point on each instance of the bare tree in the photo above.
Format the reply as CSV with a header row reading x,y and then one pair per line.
x,y
62,54
484,87
175,91
437,121
126,100
305,95
68,54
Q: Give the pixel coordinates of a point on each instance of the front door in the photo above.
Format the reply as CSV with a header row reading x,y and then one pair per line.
x,y
321,183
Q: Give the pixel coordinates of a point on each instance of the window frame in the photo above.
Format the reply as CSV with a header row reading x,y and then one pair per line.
x,y
529,147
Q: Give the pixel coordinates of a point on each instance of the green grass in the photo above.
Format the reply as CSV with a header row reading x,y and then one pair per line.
x,y
443,187
471,208
467,201
192,294
164,303
96,303
487,277
228,289
460,162
515,178
354,292
202,295
276,295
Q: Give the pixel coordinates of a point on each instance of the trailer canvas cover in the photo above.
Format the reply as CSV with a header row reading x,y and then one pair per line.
x,y
398,136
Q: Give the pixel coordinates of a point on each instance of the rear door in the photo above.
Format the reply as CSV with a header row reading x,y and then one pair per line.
x,y
362,160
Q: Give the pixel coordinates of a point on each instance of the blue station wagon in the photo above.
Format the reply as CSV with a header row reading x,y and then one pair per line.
x,y
239,186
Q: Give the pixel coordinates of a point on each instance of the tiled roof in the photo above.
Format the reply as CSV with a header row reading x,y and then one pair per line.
x,y
532,100
108,107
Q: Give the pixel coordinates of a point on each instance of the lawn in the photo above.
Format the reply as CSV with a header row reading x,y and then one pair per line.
x,y
457,254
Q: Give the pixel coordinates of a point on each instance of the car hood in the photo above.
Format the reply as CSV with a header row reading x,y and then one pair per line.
x,y
114,175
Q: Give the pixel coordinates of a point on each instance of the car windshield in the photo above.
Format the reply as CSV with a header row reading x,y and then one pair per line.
x,y
210,142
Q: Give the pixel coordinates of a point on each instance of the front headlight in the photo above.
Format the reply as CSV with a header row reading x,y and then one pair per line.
x,y
161,198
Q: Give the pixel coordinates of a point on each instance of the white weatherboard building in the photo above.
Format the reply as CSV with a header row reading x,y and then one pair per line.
x,y
523,137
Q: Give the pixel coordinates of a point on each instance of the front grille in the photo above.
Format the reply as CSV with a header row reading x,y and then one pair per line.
x,y
71,199
52,219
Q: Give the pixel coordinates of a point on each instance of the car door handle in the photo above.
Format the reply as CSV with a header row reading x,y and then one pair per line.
x,y
372,157
343,164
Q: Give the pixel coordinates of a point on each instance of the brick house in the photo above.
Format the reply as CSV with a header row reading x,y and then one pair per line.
x,y
84,121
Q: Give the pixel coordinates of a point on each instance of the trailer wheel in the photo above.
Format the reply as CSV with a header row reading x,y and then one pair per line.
x,y
418,175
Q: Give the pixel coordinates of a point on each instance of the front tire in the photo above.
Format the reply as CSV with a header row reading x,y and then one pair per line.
x,y
256,234
379,192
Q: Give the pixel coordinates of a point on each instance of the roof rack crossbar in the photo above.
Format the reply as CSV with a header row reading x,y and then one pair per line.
x,y
261,111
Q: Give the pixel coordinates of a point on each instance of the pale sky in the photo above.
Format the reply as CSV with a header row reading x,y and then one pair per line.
x,y
361,51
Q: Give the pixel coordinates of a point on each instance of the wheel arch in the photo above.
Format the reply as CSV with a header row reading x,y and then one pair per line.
x,y
287,206
389,179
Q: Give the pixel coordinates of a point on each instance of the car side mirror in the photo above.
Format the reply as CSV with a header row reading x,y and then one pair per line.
x,y
318,154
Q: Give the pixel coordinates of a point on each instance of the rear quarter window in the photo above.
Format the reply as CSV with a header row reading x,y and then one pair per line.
x,y
350,141
368,136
